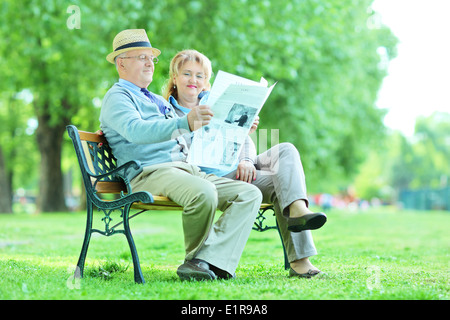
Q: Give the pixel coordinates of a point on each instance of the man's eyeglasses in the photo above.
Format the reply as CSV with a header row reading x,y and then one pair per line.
x,y
143,58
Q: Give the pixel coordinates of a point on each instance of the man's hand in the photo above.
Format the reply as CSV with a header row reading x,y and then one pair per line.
x,y
254,125
199,116
246,171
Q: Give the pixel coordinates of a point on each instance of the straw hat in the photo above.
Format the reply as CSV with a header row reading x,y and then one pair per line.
x,y
131,39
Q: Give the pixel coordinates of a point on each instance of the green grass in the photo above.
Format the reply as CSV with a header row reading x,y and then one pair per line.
x,y
378,254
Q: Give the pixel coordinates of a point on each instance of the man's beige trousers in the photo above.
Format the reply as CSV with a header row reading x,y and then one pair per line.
x,y
200,194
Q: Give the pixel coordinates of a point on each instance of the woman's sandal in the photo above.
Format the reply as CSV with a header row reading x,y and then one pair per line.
x,y
311,273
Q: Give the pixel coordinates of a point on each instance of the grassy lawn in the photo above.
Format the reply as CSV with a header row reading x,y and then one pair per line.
x,y
377,254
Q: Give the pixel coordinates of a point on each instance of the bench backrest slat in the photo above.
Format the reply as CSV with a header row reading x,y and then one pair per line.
x,y
96,159
92,137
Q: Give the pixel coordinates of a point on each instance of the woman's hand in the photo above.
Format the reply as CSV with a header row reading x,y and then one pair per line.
x,y
254,125
100,133
246,171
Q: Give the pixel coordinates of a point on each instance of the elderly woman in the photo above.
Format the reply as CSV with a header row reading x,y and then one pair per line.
x,y
278,172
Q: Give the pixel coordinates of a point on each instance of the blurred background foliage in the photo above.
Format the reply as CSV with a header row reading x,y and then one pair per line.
x,y
328,58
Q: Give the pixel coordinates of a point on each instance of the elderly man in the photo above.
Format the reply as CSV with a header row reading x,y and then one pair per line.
x,y
141,125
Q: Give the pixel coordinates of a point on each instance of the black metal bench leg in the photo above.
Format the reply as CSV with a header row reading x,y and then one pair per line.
x,y
87,238
138,276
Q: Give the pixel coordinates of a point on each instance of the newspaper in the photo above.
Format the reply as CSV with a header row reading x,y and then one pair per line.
x,y
235,102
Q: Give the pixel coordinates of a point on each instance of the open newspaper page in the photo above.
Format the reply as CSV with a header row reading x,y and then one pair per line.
x,y
219,144
224,79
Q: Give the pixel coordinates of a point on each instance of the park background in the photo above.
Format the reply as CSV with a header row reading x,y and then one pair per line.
x,y
330,59
361,90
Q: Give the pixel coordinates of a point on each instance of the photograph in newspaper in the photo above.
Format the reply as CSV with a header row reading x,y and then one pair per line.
x,y
241,115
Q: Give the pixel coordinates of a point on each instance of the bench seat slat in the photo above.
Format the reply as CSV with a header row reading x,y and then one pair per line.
x,y
163,203
160,202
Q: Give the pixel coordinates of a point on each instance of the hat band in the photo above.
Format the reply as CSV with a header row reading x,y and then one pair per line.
x,y
134,44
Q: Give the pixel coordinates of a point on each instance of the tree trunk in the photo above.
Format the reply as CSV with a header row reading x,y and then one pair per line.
x,y
51,190
5,187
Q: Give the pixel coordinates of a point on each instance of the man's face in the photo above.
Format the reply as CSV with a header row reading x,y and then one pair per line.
x,y
137,67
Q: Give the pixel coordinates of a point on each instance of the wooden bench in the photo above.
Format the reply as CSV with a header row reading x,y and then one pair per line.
x,y
108,190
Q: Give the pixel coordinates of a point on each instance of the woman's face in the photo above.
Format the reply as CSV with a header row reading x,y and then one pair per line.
x,y
190,81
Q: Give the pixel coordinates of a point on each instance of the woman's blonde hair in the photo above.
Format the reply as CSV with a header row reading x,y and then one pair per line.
x,y
177,63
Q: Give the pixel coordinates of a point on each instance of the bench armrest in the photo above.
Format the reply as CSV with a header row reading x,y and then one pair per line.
x,y
140,196
120,172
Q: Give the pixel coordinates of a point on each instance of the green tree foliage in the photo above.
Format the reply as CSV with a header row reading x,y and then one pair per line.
x,y
422,161
418,162
50,54
432,151
324,57
322,53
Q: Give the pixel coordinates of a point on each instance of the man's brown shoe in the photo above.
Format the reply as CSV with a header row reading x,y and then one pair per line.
x,y
196,270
